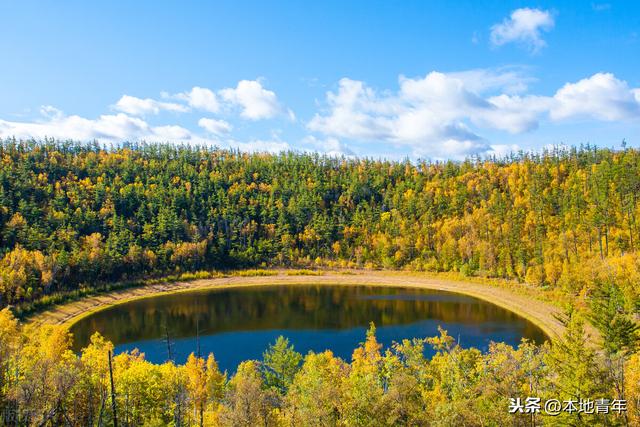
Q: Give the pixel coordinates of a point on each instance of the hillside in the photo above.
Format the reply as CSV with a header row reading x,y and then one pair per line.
x,y
75,215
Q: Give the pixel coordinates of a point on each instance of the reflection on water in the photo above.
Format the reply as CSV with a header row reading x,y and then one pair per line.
x,y
238,324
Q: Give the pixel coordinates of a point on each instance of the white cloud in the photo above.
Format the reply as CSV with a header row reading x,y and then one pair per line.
x,y
601,96
330,146
169,133
502,150
510,80
514,114
217,127
354,113
440,115
50,112
199,98
523,26
259,146
431,115
106,128
335,148
454,149
140,107
256,102
121,127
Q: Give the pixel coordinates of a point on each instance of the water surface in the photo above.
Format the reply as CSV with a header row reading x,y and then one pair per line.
x,y
238,324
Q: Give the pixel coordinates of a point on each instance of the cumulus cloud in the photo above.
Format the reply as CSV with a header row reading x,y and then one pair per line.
x,y
199,98
255,101
427,114
336,148
513,113
169,133
601,96
50,112
454,149
330,146
121,127
502,150
249,96
106,128
259,146
440,115
524,26
217,127
129,123
510,80
140,107
355,112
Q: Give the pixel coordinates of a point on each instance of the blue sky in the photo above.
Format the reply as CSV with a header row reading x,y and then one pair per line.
x,y
435,79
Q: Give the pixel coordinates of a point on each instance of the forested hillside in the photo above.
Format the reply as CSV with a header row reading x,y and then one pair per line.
x,y
73,215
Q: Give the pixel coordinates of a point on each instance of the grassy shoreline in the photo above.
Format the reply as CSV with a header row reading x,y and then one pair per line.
x,y
527,302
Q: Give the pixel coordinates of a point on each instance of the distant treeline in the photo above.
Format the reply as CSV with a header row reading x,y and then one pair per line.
x,y
74,215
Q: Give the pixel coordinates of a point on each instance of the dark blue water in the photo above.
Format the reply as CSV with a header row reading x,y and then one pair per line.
x,y
240,324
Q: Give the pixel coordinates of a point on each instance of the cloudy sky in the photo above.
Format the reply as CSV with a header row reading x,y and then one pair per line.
x,y
415,79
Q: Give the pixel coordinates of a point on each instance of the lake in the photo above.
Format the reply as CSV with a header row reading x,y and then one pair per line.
x,y
237,324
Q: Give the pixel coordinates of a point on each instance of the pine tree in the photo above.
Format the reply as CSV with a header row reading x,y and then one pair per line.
x,y
575,373
618,328
280,364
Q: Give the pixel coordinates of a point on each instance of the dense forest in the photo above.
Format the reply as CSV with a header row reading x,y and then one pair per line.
x,y
74,216
45,383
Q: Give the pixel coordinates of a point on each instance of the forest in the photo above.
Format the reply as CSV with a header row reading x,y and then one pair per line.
x,y
76,216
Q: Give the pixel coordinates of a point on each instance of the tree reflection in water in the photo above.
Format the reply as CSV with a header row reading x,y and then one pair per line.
x,y
237,324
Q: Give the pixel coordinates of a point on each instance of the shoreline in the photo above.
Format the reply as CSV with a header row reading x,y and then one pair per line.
x,y
540,313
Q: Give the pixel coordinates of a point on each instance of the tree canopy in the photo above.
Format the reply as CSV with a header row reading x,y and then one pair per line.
x,y
75,215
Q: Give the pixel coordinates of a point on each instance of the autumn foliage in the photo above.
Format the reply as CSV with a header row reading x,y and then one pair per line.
x,y
44,383
74,216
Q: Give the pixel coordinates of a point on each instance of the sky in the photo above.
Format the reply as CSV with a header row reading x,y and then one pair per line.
x,y
382,79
